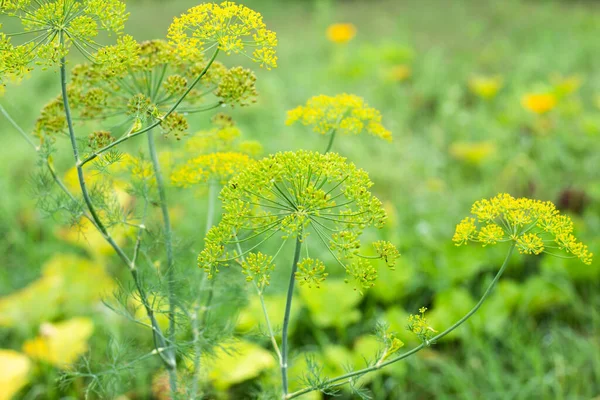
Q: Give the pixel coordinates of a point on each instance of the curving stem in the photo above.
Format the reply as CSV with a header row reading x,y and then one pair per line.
x,y
343,379
160,342
160,185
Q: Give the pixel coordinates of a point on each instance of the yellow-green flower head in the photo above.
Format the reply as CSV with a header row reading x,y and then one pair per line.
x,y
534,226
419,325
486,87
52,28
229,27
139,83
344,113
313,196
218,167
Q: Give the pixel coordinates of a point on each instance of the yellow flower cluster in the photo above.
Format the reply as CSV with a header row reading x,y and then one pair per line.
x,y
486,87
215,166
62,343
341,33
311,272
472,152
53,28
14,373
533,225
539,103
345,113
228,26
257,267
419,325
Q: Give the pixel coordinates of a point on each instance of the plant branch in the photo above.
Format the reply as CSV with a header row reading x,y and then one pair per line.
x,y
286,317
159,339
342,379
157,123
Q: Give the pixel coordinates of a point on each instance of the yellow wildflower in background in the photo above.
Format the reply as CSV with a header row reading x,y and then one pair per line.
x,y
565,85
216,166
344,113
399,73
532,225
472,152
486,87
14,373
61,344
341,33
539,103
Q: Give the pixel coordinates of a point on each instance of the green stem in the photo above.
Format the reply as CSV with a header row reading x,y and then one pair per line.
x,y
157,123
286,317
331,138
159,339
347,377
18,128
162,194
200,324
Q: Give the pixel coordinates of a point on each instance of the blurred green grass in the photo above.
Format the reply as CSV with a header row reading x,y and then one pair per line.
x,y
546,344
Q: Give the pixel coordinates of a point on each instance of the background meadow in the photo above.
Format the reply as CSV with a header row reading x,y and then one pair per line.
x,y
481,98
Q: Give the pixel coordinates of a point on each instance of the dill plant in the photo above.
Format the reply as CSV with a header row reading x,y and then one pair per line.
x,y
318,201
125,90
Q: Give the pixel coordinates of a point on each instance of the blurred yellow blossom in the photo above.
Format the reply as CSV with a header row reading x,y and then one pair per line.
x,y
565,85
238,362
539,103
399,73
14,373
60,344
472,152
486,87
85,235
215,166
346,113
36,302
341,33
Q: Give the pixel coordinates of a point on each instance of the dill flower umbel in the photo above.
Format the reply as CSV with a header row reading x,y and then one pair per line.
x,y
229,27
306,195
539,103
534,227
140,84
52,28
344,113
419,325
219,154
341,33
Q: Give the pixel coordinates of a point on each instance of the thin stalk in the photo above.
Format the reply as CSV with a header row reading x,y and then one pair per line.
x,y
18,128
200,324
159,339
162,194
286,317
157,123
330,144
342,379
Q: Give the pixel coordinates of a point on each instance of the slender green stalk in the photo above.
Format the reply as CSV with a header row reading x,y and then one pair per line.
x,y
160,342
157,123
18,128
162,194
343,379
199,324
286,317
331,138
